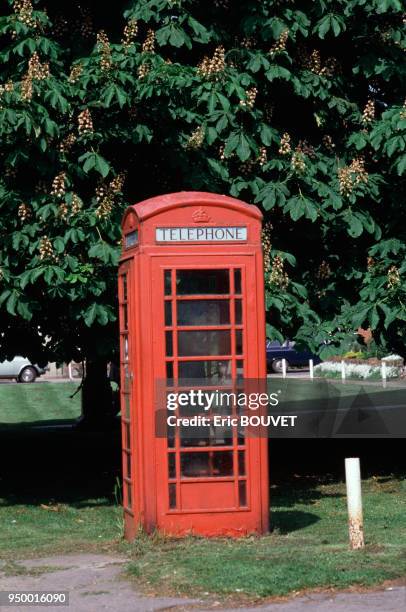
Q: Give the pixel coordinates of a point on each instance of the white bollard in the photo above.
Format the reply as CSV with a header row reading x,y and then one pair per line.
x,y
354,503
311,368
283,368
70,375
343,370
383,370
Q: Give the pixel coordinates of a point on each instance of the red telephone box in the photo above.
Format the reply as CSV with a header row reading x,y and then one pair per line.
x,y
191,294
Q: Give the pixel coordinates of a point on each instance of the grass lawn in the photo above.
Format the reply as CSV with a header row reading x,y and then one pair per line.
x,y
59,494
30,530
41,403
308,547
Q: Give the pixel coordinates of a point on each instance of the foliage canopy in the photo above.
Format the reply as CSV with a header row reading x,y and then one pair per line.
x,y
297,108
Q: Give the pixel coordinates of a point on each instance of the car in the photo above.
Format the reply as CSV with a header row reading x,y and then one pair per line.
x,y
276,352
21,369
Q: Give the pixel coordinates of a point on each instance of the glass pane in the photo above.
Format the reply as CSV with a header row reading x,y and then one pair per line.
x,y
172,465
128,465
127,406
204,282
168,282
242,492
168,313
127,438
201,434
125,316
125,347
238,342
207,464
241,463
204,343
238,312
169,344
203,312
131,239
240,369
169,372
172,495
127,380
125,291
237,281
214,372
129,495
240,428
221,404
219,438
171,436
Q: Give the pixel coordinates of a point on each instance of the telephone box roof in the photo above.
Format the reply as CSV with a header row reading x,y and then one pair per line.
x,y
154,206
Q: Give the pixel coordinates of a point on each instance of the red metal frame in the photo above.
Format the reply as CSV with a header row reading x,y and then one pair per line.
x,y
210,503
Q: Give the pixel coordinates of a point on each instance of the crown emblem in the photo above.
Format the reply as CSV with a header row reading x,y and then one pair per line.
x,y
200,216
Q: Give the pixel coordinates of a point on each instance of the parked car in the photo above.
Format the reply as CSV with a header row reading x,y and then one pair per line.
x,y
21,369
275,352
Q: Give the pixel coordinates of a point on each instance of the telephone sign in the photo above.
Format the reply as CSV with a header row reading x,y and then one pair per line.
x,y
201,234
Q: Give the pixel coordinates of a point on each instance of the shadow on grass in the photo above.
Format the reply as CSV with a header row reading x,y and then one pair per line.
x,y
286,521
41,463
65,465
302,491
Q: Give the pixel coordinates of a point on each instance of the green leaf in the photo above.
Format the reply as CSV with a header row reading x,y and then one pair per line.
x,y
201,34
90,314
121,96
4,295
12,302
311,210
59,245
243,148
401,165
277,26
323,26
355,227
296,207
336,25
255,63
30,276
96,312
390,314
360,316
218,168
106,253
107,95
268,135
101,165
300,206
358,140
211,135
94,161
278,72
57,100
274,334
89,161
177,37
24,310
231,143
373,317
273,194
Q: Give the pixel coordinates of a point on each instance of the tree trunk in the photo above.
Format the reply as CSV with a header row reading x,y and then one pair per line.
x,y
97,396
